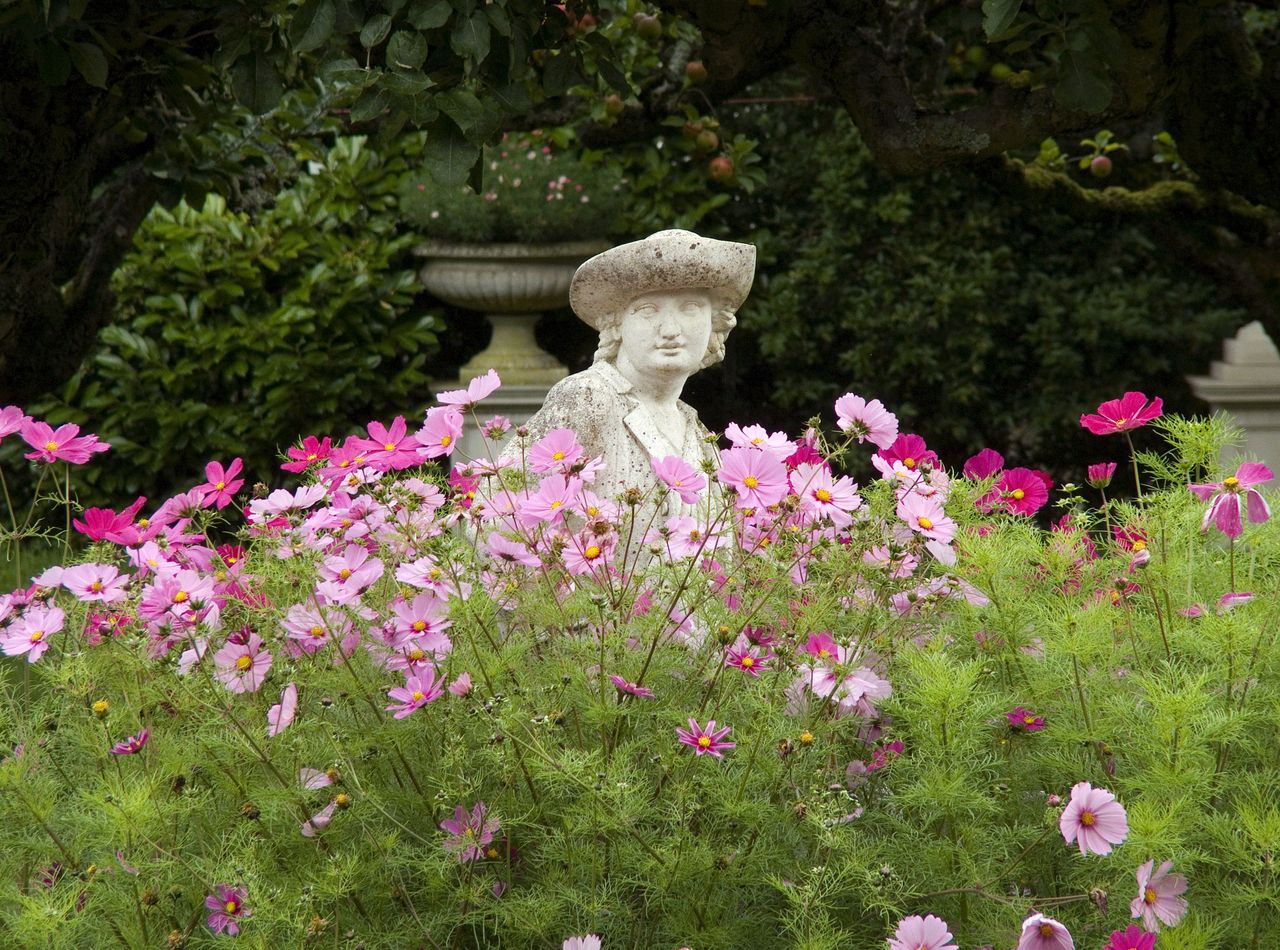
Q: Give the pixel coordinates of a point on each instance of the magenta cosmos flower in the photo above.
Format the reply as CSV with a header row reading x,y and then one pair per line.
x,y
986,463
226,908
911,451
1024,720
922,933
1044,933
1131,938
1020,491
242,665
628,688
1093,819
1099,475
1224,499
866,421
222,484
1130,411
1158,901
311,451
60,445
133,745
759,479
708,741
469,833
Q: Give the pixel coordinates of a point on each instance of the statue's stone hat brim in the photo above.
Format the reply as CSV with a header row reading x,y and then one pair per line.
x,y
668,260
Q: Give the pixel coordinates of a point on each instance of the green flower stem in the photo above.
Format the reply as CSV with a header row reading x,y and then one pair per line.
x,y
1133,457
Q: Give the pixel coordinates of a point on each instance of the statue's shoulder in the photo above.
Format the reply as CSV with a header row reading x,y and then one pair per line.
x,y
600,382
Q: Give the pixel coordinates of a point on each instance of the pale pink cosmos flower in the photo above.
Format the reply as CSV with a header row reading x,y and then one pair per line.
x,y
12,418
479,388
311,627
469,833
708,741
1130,411
681,477
866,421
758,477
417,691
102,583
312,779
31,632
822,495
319,821
511,552
686,537
461,686
1093,819
586,553
557,451
221,485
774,444
1224,508
242,667
1044,933
226,908
280,716
922,933
495,427
424,618
553,500
1159,901
926,516
589,942
440,432
60,445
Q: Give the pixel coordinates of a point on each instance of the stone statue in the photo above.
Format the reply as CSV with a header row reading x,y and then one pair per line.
x,y
663,307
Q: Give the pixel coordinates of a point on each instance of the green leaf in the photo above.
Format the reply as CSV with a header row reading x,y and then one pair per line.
x,y
403,82
470,37
998,16
560,73
312,25
499,19
375,30
448,156
369,105
256,83
1082,83
476,120
513,98
407,50
429,14
90,62
607,66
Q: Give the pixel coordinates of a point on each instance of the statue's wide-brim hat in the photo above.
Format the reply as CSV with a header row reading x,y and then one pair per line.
x,y
668,260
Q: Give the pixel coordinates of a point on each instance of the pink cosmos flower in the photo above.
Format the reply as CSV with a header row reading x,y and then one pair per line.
x,y
30,633
589,942
630,689
1100,474
280,716
1233,599
495,427
825,496
681,477
911,451
390,448
1044,933
586,553
461,686
866,421
311,451
983,465
102,583
424,618
1130,411
60,445
1158,901
557,451
132,745
319,821
774,444
417,691
469,833
922,933
1093,819
512,552
103,524
1020,491
926,516
1131,938
221,487
708,741
242,666
310,627
759,479
312,779
1224,508
226,908
1024,720
12,419
751,660
479,388
553,500
440,432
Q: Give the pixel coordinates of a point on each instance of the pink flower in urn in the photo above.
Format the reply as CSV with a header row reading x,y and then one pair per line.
x,y
1224,499
1130,411
1093,819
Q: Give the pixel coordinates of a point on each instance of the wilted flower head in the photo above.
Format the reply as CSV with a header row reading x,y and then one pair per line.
x,y
1224,499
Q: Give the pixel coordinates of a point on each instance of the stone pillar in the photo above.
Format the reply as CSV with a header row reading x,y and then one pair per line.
x,y
1246,384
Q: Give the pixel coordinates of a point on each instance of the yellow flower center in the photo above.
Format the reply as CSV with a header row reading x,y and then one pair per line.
x,y
1046,930
750,481
446,440
144,522
232,907
317,632
556,504
416,654
822,494
51,446
344,573
417,695
1149,895
748,662
806,738
1029,719
592,552
824,653
557,456
419,626
491,853
1018,494
389,446
1087,819
757,440
220,485
347,522
95,586
244,662
1139,545
37,636
312,457
704,742
1230,482
909,462
925,523
180,597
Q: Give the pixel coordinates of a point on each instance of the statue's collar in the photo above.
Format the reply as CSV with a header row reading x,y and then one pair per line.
x,y
638,420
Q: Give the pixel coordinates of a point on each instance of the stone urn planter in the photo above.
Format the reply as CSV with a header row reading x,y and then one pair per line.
x,y
511,284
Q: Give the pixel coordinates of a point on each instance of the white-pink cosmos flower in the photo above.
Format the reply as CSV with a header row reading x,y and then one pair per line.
x,y
1093,819
280,716
30,633
1224,499
478,389
774,444
866,421
557,451
1158,901
242,664
759,478
922,933
825,496
95,582
1044,933
681,477
926,516
440,432
589,942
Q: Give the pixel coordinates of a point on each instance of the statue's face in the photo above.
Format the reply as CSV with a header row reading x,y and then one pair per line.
x,y
666,332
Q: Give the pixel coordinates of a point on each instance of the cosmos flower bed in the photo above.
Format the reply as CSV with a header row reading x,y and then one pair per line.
x,y
413,700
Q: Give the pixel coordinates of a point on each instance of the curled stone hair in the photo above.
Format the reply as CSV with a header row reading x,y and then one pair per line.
x,y
722,321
